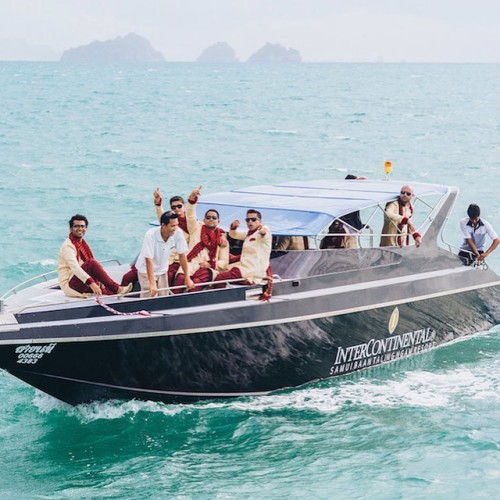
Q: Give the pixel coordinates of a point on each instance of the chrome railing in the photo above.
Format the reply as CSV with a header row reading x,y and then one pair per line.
x,y
43,278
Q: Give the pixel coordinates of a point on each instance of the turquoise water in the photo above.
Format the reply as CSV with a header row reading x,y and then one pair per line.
x,y
99,139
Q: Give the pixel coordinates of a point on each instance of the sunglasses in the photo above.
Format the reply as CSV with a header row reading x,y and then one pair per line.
x,y
251,219
211,217
407,193
173,207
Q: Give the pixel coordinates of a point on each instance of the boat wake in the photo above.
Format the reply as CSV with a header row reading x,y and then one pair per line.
x,y
454,388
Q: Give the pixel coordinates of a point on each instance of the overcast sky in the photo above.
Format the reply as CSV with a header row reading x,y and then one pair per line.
x,y
322,30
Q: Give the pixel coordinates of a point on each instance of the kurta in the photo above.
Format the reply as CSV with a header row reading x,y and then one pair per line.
x,y
194,228
397,236
254,259
68,266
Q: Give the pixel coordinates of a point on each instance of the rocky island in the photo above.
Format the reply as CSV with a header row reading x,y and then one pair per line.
x,y
129,48
275,53
220,52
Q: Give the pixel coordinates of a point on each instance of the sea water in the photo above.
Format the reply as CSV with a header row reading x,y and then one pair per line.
x,y
98,139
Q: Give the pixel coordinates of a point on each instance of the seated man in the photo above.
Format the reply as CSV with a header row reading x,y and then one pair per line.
x,y
78,272
397,224
177,207
152,263
474,230
209,247
283,243
337,238
255,253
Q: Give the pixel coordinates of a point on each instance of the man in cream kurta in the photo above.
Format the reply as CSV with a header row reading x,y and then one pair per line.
x,y
256,251
209,248
78,272
397,223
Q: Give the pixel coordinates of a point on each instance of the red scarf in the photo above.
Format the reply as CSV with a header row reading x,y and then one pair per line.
x,y
183,223
209,239
401,225
83,251
268,289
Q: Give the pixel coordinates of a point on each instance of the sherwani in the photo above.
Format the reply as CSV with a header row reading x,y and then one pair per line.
x,y
255,254
194,228
392,218
68,266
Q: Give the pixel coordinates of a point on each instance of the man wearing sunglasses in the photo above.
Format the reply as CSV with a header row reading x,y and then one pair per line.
x,y
254,259
78,272
397,224
209,248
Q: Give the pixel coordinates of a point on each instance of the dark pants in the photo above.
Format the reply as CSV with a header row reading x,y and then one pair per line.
x,y
99,275
467,258
202,275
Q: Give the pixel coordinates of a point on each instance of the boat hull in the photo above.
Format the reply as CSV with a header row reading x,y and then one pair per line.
x,y
220,362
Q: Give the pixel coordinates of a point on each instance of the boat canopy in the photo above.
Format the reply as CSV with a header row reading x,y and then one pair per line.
x,y
306,208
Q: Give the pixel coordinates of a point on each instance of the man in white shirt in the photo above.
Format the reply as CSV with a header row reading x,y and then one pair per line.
x,y
152,263
474,230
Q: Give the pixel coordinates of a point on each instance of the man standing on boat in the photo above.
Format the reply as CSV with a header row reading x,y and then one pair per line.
x,y
78,272
474,230
253,263
209,248
153,261
397,224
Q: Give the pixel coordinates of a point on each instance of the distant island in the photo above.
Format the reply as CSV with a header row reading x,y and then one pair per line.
x,y
220,52
130,48
275,53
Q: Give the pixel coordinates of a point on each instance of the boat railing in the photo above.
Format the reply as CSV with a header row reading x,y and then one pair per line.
x,y
235,282
43,278
366,233
476,264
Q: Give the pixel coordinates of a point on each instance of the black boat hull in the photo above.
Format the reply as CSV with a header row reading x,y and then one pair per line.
x,y
225,362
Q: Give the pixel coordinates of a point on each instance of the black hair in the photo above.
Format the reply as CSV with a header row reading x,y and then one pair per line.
x,y
167,216
176,198
78,217
349,177
253,211
212,210
473,211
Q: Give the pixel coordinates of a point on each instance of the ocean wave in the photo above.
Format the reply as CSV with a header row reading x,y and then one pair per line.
x,y
457,388
44,263
281,132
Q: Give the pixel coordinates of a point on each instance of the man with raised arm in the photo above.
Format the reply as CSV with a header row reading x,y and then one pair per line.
x,y
78,272
153,261
209,248
254,259
178,207
397,224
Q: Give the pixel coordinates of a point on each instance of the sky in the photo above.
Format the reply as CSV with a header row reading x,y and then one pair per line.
x,y
321,30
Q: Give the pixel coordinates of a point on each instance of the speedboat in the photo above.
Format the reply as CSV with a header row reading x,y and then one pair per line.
x,y
331,312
